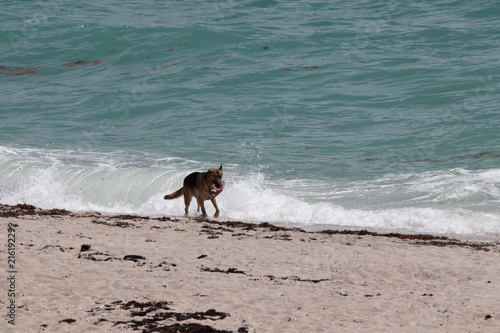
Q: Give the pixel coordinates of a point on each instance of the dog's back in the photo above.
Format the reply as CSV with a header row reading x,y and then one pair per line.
x,y
189,183
191,180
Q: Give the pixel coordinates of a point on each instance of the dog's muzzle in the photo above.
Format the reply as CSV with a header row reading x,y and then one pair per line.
x,y
215,191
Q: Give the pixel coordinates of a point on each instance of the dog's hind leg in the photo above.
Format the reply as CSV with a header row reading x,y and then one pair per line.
x,y
187,202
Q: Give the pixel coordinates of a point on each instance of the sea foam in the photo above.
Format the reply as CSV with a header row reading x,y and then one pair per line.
x,y
446,202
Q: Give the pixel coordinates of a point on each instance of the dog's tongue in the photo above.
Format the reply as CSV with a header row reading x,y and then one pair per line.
x,y
215,191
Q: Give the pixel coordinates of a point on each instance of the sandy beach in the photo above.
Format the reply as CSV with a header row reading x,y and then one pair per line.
x,y
88,272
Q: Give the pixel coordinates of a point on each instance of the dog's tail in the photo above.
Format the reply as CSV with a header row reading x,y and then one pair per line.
x,y
177,194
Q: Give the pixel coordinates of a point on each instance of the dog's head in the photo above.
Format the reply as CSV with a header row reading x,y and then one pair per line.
x,y
215,176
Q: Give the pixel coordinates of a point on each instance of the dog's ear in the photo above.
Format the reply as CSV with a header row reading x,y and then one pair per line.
x,y
220,168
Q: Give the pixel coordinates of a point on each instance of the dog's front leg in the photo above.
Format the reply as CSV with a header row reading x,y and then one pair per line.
x,y
214,202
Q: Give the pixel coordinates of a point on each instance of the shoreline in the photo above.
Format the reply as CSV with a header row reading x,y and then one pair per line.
x,y
27,209
89,271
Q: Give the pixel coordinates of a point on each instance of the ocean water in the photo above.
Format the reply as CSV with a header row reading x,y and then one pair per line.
x,y
350,114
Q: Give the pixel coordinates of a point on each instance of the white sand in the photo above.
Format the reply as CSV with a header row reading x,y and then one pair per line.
x,y
265,281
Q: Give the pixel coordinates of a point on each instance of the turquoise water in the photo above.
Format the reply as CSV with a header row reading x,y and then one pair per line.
x,y
376,114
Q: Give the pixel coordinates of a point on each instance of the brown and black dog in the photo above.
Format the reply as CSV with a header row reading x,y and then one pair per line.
x,y
203,186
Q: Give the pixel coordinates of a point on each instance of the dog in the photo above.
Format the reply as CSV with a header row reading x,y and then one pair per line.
x,y
203,186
